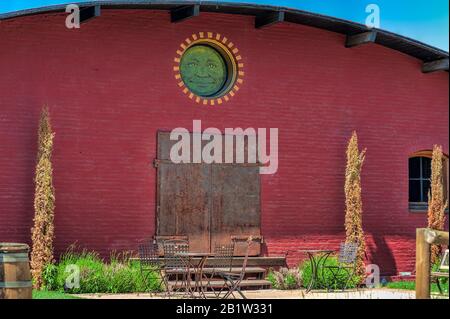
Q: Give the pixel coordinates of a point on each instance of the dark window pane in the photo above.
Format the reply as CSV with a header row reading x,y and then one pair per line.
x,y
414,191
414,167
426,167
426,187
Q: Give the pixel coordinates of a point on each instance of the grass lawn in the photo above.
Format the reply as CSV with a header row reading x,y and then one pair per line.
x,y
411,285
51,295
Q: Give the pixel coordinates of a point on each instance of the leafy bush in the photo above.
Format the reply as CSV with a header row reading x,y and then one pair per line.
x,y
285,278
49,277
325,276
121,275
436,267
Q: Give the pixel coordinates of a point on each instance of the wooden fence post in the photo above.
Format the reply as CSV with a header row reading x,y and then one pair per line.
x,y
437,237
422,265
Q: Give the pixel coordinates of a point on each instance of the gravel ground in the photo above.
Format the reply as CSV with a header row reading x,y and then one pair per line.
x,y
284,294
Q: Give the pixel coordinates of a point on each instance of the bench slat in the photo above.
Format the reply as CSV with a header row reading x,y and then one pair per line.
x,y
440,274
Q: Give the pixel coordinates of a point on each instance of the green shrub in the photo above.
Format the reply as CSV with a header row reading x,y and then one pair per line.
x,y
325,276
49,277
285,278
121,275
436,267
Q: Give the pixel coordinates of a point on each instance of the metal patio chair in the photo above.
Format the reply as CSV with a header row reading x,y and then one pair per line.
x,y
232,281
223,263
174,266
346,264
149,263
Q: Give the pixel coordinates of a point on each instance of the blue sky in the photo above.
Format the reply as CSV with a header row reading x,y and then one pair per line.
x,y
426,21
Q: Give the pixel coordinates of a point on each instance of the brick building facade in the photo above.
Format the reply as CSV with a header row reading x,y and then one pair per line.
x,y
110,88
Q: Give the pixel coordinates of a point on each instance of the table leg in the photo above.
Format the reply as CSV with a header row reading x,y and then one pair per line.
x,y
189,265
322,261
313,272
201,265
197,271
197,284
315,265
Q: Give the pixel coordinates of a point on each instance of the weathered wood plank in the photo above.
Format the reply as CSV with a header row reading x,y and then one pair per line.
x,y
422,265
360,38
436,237
264,262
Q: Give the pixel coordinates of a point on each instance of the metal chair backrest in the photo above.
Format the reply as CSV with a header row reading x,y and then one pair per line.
x,y
176,242
444,261
148,254
247,252
223,256
348,253
171,249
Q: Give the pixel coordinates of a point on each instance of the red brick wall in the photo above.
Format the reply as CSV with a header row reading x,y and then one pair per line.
x,y
110,87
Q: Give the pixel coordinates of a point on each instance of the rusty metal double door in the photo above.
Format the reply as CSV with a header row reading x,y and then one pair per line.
x,y
208,203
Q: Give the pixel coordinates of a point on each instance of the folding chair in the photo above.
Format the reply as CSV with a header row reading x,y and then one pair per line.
x,y
174,265
346,263
149,263
232,281
223,263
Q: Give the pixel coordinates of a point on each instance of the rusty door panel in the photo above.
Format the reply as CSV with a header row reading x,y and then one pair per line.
x,y
184,203
235,205
165,144
208,203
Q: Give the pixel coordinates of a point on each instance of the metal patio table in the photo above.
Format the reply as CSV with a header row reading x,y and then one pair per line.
x,y
195,268
317,257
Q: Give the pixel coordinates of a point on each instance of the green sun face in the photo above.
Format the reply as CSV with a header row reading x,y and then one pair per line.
x,y
203,70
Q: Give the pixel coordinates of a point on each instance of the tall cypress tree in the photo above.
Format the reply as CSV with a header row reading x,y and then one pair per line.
x,y
353,202
436,202
44,202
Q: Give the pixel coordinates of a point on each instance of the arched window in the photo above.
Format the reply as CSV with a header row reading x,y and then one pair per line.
x,y
420,179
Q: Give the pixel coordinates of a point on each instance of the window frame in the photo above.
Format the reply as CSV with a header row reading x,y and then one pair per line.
x,y
421,207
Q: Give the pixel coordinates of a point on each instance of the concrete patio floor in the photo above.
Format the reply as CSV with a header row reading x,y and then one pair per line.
x,y
284,294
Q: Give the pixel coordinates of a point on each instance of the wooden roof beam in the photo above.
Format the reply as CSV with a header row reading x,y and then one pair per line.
x,y
268,18
434,66
184,12
89,13
360,38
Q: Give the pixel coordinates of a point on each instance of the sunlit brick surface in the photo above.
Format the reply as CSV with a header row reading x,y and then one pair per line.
x,y
110,87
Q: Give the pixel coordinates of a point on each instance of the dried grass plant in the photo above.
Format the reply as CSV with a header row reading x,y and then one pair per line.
x,y
436,199
44,202
353,202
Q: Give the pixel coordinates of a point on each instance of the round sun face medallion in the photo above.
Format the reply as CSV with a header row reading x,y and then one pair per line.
x,y
208,68
203,70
